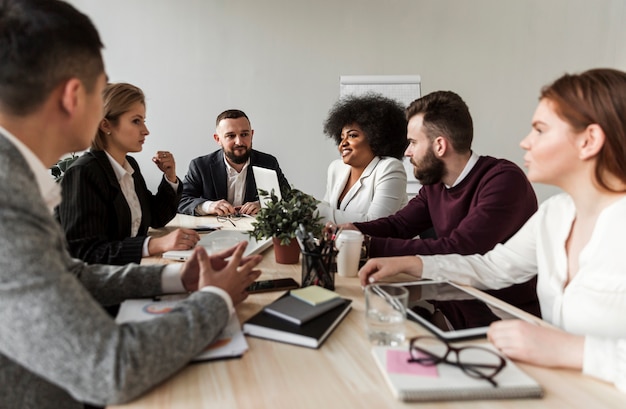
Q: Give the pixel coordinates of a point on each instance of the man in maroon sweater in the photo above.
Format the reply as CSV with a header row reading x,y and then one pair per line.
x,y
471,202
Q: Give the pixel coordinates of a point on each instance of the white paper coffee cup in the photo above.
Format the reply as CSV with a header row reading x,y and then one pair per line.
x,y
348,243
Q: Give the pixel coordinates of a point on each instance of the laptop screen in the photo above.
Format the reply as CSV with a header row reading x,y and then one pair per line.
x,y
266,179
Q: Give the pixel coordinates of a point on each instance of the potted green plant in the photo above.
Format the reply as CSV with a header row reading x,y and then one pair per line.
x,y
279,219
58,169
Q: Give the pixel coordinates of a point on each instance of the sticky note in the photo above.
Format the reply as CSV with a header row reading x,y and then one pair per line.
x,y
397,362
314,294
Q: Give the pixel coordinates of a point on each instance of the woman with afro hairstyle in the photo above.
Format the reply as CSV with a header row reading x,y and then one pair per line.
x,y
369,181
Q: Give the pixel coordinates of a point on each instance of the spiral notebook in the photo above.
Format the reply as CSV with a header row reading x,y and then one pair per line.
x,y
416,382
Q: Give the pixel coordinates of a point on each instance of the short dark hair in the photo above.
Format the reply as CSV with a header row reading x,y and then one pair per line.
x,y
445,114
596,96
231,114
381,119
43,43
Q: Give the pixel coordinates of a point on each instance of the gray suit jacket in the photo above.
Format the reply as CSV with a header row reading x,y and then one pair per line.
x,y
57,345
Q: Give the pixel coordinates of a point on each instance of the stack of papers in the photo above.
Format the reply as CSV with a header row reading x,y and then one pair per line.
x,y
230,343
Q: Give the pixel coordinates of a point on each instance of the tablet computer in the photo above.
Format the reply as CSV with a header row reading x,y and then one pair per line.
x,y
452,312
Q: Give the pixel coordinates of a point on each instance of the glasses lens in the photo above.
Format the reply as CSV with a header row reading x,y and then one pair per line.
x,y
479,362
428,350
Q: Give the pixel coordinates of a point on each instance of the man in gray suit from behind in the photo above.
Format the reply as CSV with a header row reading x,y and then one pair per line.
x,y
58,347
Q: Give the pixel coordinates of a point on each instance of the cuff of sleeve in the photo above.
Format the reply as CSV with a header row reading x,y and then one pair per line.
x,y
204,208
430,269
221,293
170,279
600,358
173,185
144,249
620,376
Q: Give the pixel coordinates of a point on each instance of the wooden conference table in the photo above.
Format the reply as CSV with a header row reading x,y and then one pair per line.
x,y
341,374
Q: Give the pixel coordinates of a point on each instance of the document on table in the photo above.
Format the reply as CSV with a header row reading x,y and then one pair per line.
x,y
230,343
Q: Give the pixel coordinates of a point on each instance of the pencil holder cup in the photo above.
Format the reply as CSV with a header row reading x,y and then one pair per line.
x,y
316,270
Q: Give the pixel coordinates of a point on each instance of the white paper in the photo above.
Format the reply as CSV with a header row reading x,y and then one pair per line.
x,y
230,343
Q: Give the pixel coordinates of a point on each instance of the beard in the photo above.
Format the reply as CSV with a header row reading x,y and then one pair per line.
x,y
238,159
429,170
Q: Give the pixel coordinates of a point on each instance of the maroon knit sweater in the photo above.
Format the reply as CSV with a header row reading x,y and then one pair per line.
x,y
493,201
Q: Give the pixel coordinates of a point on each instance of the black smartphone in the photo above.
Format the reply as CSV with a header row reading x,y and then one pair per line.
x,y
279,284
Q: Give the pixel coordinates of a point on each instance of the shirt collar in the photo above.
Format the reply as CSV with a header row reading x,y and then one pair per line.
x,y
466,170
50,190
120,170
232,171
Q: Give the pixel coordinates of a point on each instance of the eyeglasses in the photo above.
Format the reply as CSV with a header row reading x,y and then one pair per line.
x,y
475,361
231,218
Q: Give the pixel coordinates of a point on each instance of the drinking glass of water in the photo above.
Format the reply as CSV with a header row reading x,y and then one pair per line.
x,y
385,313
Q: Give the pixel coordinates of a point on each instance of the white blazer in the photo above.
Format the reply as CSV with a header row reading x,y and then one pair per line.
x,y
379,192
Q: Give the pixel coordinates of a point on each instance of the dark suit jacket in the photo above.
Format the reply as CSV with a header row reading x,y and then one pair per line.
x,y
206,179
96,217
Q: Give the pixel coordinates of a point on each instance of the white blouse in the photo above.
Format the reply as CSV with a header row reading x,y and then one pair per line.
x,y
592,304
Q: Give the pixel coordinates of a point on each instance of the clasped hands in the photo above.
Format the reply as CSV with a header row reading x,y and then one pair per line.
x,y
223,208
232,276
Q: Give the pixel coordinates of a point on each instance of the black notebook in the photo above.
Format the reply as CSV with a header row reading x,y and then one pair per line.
x,y
311,334
300,312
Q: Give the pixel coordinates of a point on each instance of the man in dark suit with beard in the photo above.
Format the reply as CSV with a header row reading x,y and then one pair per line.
x,y
222,182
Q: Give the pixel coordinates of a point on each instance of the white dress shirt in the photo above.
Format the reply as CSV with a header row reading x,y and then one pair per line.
x,y
592,304
236,183
466,170
124,175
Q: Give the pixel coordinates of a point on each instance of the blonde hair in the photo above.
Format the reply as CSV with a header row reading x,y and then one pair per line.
x,y
118,99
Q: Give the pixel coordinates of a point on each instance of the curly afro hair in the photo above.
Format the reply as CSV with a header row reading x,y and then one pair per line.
x,y
382,120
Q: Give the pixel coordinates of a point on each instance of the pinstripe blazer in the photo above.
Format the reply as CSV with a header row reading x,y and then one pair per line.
x,y
58,347
206,179
96,217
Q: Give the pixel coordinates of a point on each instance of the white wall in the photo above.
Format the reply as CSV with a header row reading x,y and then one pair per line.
x,y
280,61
